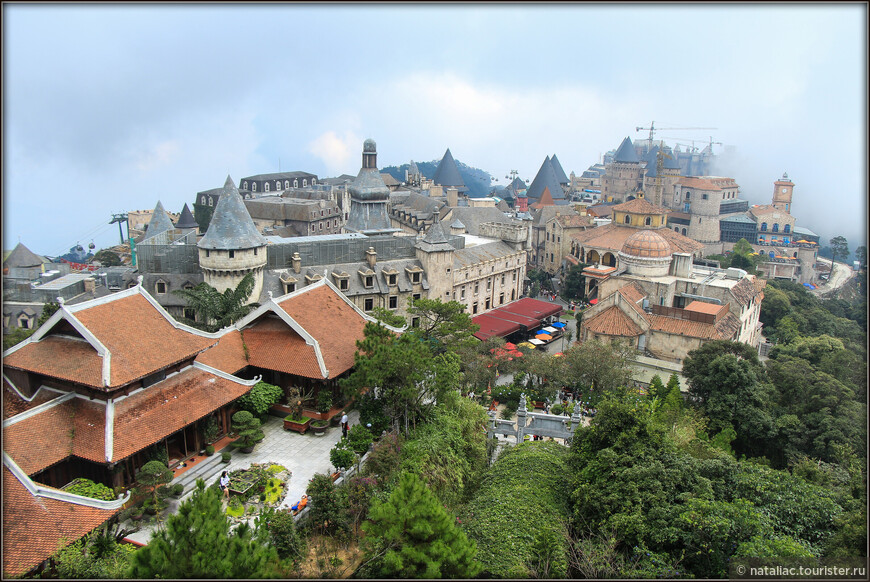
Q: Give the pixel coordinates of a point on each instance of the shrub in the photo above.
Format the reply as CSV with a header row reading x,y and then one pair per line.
x,y
556,409
226,456
211,430
248,429
324,401
341,456
209,450
359,439
261,397
283,535
384,457
327,509
177,489
319,423
152,475
88,488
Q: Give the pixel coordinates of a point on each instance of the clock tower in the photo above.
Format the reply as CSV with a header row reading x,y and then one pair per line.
x,y
782,191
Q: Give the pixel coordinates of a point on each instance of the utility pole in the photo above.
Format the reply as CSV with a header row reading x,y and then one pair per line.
x,y
119,218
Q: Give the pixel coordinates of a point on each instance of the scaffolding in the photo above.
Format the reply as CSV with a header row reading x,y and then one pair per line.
x,y
168,252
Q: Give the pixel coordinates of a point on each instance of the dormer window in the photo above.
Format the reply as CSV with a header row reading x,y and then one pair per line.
x,y
295,182
368,281
286,184
415,277
232,254
304,182
161,287
267,186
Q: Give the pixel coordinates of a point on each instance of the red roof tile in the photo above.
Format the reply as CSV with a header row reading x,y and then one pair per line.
x,y
43,439
704,307
633,292
14,404
35,527
274,345
699,183
612,321
156,412
228,355
140,340
684,327
332,322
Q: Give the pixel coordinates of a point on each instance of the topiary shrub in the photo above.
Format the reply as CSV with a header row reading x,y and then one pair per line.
x,y
226,456
248,429
209,450
152,475
177,490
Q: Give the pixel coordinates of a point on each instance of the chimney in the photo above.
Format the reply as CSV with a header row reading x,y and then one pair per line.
x,y
371,257
296,262
682,265
90,285
452,197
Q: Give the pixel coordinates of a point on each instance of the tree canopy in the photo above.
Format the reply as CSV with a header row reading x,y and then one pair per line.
x,y
215,310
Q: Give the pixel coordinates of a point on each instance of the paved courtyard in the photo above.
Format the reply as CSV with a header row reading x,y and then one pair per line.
x,y
304,455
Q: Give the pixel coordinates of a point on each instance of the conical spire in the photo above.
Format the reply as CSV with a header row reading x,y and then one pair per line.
x,y
626,152
160,222
560,173
186,219
21,256
545,179
435,235
447,174
231,225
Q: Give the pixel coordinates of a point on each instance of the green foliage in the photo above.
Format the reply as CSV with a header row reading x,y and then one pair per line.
x,y
388,317
443,326
341,456
282,533
839,248
324,400
216,310
94,556
209,450
592,367
211,429
152,475
520,502
196,542
15,336
327,510
575,283
226,456
107,258
657,388
359,439
88,488
261,397
248,429
385,456
412,536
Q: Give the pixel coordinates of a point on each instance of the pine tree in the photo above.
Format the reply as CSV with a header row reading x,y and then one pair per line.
x,y
411,535
673,382
657,388
197,543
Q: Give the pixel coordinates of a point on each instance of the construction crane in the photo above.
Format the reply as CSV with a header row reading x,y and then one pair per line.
x,y
652,128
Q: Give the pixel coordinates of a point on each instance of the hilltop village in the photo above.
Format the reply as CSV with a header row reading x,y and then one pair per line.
x,y
120,361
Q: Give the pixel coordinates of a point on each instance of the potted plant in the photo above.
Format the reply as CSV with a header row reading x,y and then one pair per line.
x,y
296,420
249,431
324,401
225,456
209,450
319,426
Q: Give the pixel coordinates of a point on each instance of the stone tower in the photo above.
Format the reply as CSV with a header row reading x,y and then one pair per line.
x,y
232,247
369,196
436,255
782,192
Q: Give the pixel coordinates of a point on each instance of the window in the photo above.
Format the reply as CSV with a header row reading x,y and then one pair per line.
x,y
501,299
476,288
289,287
462,292
502,278
207,253
488,284
486,304
245,185
202,201
391,279
688,195
211,201
254,187
415,322
295,182
304,182
161,287
627,219
415,296
415,277
704,196
286,184
684,232
775,227
266,186
321,214
515,275
369,304
786,229
763,227
647,221
394,301
24,322
255,252
474,308
321,226
342,284
312,228
232,254
369,281
676,229
189,313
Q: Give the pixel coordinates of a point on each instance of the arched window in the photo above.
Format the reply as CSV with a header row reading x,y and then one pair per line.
x,y
202,201
254,187
304,182
763,227
775,227
688,195
210,201
245,185
286,184
627,219
295,182
786,229
771,254
648,220
314,181
676,229
684,231
23,322
277,184
266,186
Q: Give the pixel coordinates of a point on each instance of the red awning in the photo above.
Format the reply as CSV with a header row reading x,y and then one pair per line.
x,y
593,302
491,326
533,308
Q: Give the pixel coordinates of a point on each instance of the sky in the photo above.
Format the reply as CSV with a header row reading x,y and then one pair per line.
x,y
110,108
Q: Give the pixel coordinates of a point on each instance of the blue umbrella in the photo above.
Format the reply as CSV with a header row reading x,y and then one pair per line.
x,y
557,324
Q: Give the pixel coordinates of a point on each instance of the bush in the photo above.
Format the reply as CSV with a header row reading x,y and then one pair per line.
x,y
177,489
283,535
211,430
359,439
88,488
384,457
261,397
209,450
226,456
556,409
248,429
341,456
324,401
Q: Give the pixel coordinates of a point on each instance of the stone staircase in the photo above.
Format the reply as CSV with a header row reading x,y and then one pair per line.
x,y
209,470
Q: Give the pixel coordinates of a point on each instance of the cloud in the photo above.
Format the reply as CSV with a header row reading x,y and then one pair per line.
x,y
336,153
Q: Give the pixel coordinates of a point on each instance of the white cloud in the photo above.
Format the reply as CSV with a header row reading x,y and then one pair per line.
x,y
336,152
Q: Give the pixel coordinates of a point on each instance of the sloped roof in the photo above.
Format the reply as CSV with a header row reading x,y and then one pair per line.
x,y
231,226
745,291
545,200
670,161
21,256
640,206
35,527
560,173
612,236
612,321
389,180
447,174
435,236
625,152
545,179
136,333
160,222
699,183
723,329
186,220
481,253
473,217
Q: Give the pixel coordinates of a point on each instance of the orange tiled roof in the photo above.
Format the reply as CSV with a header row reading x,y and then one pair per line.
x,y
150,415
766,209
699,183
140,340
640,206
34,527
573,220
334,324
274,345
228,355
612,321
633,292
744,291
42,440
696,329
704,307
13,404
612,237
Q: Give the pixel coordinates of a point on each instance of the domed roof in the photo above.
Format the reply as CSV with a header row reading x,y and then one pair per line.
x,y
369,145
647,244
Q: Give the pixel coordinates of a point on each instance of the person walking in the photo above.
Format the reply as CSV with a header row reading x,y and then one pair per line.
x,y
344,423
